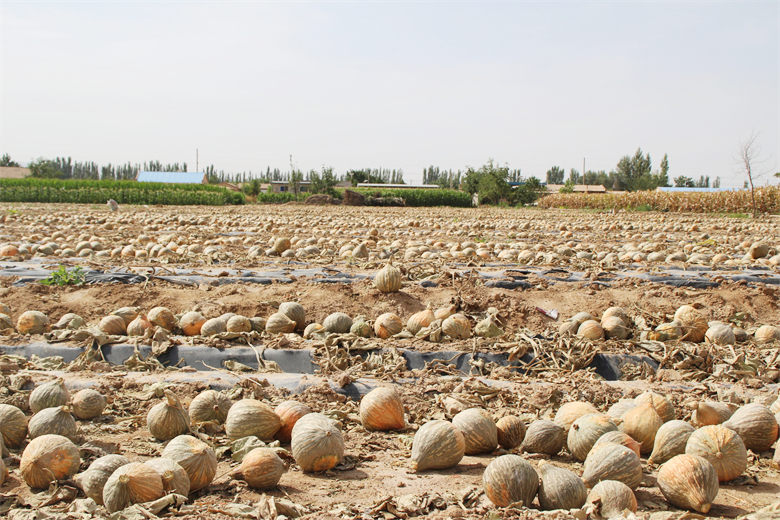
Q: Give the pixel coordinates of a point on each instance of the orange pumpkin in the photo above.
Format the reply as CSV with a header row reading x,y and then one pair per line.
x,y
382,409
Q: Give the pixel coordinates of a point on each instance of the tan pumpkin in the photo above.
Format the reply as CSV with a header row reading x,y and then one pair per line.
x,y
317,443
162,317
510,479
196,457
720,334
767,334
421,319
388,279
210,406
295,312
33,322
88,404
642,423
289,412
722,447
168,419
13,426
382,409
215,326
134,483
618,410
709,413
113,326
48,395
612,462
279,324
586,431
261,469
139,326
388,325
128,314
511,432
457,327
49,458
445,312
94,479
609,498
591,330
314,328
338,323
53,421
616,312
620,438
615,328
689,482
694,325
191,323
570,412
544,436
239,324
69,321
6,323
174,478
437,445
479,431
560,488
252,417
756,425
662,405
670,441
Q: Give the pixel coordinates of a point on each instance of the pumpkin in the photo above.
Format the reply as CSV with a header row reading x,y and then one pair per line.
x,y
420,319
709,413
544,436
196,457
757,426
295,312
694,325
720,334
139,326
510,479
388,279
128,314
338,323
191,323
214,326
261,469
722,447
361,328
94,479
239,324
388,325
560,488
49,395
612,462
6,323
258,323
162,317
445,312
252,417
289,412
210,406
13,425
168,419
382,409
457,327
670,440
49,458
591,330
609,498
586,431
479,431
765,334
317,443
134,483
689,482
53,421
33,322
88,404
662,405
511,432
570,412
437,445
281,245
279,323
620,438
616,312
69,321
174,478
642,422
314,328
113,326
615,328
618,410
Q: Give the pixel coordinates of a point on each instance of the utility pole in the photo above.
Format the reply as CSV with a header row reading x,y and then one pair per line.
x,y
583,170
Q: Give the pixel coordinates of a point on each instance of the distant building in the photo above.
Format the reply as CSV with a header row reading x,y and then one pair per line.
x,y
13,172
393,186
284,187
173,177
229,185
578,188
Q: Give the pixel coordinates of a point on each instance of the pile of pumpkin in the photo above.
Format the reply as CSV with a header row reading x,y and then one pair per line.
x,y
694,457
688,325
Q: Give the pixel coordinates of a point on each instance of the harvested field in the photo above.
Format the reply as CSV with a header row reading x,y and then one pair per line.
x,y
516,276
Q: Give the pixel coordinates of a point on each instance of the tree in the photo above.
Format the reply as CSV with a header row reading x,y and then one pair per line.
x,y
528,192
568,187
490,181
44,169
555,175
684,182
751,164
703,182
253,188
663,177
716,182
323,183
574,176
635,172
6,161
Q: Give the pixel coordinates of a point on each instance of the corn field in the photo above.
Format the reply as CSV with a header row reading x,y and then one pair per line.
x,y
767,201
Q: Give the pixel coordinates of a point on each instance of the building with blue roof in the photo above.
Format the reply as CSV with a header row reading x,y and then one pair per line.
x,y
173,177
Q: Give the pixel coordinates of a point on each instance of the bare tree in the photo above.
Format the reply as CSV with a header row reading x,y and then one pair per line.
x,y
752,164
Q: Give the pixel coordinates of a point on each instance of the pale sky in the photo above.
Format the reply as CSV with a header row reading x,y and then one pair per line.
x,y
392,84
